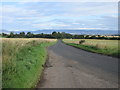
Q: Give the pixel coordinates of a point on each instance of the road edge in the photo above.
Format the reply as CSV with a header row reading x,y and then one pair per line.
x,y
118,57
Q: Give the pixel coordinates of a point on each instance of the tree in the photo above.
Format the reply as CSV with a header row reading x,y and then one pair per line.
x,y
54,34
3,35
22,34
93,37
78,36
29,35
11,35
87,37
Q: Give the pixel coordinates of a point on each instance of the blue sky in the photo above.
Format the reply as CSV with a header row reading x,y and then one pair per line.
x,y
31,16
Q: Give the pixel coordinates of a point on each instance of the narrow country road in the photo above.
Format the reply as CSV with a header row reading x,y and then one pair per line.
x,y
69,67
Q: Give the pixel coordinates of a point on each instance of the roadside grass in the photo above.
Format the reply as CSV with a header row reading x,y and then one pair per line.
x,y
1,63
23,61
106,47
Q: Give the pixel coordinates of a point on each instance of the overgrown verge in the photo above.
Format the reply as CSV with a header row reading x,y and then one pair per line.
x,y
22,68
95,49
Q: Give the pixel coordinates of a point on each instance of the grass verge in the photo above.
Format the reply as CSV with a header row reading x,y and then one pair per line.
x,y
24,70
95,49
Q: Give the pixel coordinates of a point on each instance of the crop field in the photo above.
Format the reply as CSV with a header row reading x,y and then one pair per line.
x,y
23,61
108,47
0,63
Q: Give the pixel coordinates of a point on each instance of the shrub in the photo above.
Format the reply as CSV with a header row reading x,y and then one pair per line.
x,y
81,41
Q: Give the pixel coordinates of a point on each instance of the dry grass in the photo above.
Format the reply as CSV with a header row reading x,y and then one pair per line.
x,y
113,44
108,47
20,55
0,63
10,46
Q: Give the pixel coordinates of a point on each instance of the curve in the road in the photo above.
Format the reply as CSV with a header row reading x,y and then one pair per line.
x,y
99,66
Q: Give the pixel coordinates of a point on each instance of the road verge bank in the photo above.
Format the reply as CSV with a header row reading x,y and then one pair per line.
x,y
94,49
24,70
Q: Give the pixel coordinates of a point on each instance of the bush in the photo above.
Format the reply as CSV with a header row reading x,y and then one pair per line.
x,y
81,41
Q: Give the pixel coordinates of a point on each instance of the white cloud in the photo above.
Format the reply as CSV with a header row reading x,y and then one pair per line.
x,y
83,24
86,9
57,15
60,1
8,19
50,25
76,23
13,14
90,28
17,11
100,24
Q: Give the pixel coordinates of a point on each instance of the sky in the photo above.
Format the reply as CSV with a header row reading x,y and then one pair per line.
x,y
31,16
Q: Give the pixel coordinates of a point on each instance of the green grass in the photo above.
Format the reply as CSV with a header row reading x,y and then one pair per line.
x,y
25,67
0,64
106,47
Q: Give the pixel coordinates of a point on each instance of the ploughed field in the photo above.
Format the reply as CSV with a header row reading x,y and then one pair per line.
x,y
107,47
23,60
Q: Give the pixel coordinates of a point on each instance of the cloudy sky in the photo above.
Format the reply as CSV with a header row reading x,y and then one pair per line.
x,y
32,16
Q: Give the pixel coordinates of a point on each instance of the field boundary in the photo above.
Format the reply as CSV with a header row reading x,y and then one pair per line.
x,y
30,63
40,80
89,50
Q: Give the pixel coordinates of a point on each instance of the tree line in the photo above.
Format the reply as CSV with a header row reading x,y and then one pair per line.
x,y
55,35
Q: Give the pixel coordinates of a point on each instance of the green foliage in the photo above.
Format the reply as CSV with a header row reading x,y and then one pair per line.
x,y
96,49
22,34
29,35
78,36
81,41
57,35
25,66
93,37
11,34
87,37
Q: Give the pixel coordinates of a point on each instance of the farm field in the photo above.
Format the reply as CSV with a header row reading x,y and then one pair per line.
x,y
0,63
107,47
23,61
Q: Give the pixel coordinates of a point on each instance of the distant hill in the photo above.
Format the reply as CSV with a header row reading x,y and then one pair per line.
x,y
90,32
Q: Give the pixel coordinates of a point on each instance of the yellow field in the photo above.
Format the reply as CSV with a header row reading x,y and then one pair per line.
x,y
12,45
112,44
107,47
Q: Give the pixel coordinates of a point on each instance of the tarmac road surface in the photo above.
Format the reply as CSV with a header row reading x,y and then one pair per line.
x,y
69,67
